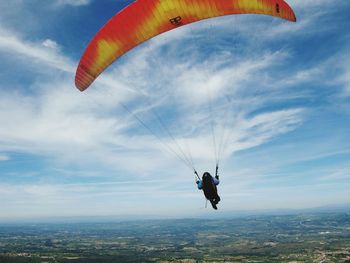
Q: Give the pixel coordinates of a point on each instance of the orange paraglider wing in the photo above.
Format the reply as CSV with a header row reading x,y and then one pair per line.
x,y
144,19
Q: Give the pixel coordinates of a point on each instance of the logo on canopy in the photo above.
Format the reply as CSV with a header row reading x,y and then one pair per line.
x,y
176,21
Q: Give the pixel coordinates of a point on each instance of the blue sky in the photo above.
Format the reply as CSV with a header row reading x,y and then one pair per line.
x,y
280,93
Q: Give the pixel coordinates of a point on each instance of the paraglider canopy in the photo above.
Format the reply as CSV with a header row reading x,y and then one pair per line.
x,y
145,19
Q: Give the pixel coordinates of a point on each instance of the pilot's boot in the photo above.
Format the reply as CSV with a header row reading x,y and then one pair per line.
x,y
213,204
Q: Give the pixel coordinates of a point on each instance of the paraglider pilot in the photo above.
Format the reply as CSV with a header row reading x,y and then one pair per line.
x,y
208,185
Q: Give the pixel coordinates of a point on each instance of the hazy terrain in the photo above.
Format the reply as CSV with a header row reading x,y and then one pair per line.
x,y
323,237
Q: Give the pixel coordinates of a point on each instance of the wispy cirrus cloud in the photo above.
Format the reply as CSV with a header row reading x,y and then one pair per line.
x,y
54,120
40,53
310,4
74,2
341,173
345,75
193,83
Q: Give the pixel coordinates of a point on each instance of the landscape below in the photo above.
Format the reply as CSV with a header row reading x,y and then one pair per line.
x,y
322,237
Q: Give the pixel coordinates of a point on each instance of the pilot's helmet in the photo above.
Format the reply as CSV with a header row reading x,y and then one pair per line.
x,y
206,174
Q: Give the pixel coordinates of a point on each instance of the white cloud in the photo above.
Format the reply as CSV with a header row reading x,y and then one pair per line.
x,y
341,173
46,55
50,44
39,53
73,2
347,87
310,4
63,200
69,125
198,84
345,76
4,158
91,129
261,128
